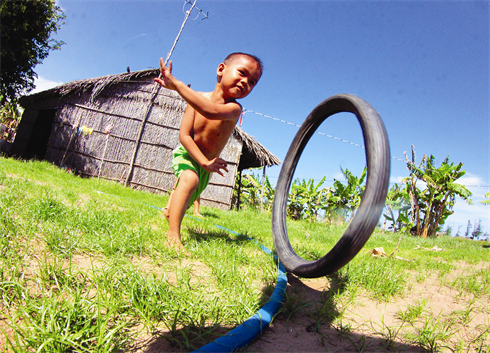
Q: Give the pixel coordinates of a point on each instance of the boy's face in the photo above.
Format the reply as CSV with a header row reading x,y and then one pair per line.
x,y
239,76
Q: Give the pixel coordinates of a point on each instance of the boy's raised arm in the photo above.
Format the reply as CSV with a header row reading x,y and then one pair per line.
x,y
204,106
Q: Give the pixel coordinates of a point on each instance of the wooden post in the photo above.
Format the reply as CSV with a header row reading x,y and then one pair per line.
x,y
154,93
107,131
239,189
75,130
156,89
262,192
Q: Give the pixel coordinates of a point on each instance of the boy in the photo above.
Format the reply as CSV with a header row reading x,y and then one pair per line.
x,y
208,122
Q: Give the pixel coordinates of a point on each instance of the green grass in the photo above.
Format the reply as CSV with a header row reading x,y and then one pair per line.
x,y
52,220
84,267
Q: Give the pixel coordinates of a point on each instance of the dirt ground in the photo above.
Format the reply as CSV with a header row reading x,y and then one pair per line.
x,y
368,325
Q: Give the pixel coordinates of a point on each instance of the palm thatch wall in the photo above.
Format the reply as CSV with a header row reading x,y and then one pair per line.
x,y
119,127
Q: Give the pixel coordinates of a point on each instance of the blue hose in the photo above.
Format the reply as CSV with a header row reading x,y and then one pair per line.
x,y
255,325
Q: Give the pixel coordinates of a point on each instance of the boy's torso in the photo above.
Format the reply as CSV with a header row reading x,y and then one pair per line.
x,y
210,135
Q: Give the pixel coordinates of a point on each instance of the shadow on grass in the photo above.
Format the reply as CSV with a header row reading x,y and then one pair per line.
x,y
186,339
208,215
199,234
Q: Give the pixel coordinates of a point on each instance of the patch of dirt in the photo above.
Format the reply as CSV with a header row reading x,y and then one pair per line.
x,y
372,326
364,324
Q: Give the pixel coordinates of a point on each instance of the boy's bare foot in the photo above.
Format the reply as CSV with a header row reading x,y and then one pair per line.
x,y
177,246
197,214
174,243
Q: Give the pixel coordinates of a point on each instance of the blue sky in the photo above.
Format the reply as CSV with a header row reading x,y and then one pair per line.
x,y
423,65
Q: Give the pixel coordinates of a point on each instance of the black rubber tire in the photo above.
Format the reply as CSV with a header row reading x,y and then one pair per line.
x,y
373,200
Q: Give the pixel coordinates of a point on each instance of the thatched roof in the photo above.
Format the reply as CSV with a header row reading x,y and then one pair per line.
x,y
95,85
257,155
254,154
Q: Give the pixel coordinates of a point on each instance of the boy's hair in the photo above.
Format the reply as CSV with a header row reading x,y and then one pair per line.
x,y
233,56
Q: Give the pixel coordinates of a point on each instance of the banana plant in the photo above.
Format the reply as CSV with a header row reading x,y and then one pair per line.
x,y
251,192
313,199
435,202
397,209
349,196
330,201
307,199
295,206
268,195
487,201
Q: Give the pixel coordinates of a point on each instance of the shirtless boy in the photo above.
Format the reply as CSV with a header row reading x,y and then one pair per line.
x,y
207,124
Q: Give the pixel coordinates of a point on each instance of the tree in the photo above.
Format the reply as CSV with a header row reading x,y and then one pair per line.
x,y
468,229
397,209
251,192
432,205
26,29
349,196
306,199
9,116
477,231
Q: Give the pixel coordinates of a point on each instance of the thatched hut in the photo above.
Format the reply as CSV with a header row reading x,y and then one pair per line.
x,y
123,128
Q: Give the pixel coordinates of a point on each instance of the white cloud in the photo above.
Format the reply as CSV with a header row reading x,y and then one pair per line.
x,y
43,84
470,179
396,179
339,176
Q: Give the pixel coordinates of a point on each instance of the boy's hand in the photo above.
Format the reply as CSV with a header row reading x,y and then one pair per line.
x,y
215,165
167,78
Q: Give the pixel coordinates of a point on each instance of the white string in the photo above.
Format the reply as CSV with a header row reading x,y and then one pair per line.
x,y
317,132
342,140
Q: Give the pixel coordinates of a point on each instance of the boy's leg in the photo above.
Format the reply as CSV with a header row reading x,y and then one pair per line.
x,y
165,209
196,207
179,203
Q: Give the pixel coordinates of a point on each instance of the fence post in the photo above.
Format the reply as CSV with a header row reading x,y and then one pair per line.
x,y
262,192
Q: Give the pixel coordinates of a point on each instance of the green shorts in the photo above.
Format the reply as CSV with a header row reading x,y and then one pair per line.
x,y
182,161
